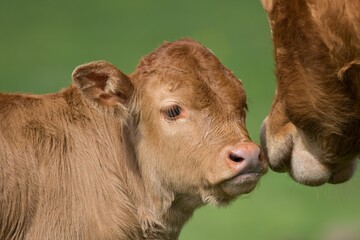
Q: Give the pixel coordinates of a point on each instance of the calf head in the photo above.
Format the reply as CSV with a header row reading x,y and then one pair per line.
x,y
313,128
186,117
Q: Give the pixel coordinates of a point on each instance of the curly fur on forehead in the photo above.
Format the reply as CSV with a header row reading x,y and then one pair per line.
x,y
179,61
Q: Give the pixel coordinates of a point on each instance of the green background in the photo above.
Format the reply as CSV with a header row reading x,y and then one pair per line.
x,y
41,42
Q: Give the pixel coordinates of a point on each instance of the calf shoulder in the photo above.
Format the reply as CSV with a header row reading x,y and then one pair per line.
x,y
61,172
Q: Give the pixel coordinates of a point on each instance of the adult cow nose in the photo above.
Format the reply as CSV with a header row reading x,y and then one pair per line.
x,y
245,157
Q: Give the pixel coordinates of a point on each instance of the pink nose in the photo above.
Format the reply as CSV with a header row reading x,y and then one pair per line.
x,y
245,157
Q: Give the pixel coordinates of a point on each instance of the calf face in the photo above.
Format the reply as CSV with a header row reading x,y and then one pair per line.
x,y
192,124
313,128
186,119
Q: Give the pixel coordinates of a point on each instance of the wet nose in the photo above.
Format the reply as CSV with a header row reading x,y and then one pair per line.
x,y
245,157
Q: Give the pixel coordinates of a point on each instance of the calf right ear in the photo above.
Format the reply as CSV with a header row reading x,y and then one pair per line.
x,y
103,84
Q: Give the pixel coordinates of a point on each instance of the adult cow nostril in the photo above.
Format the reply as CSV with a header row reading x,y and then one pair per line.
x,y
234,156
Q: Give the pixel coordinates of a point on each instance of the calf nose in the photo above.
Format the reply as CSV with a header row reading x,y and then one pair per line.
x,y
245,157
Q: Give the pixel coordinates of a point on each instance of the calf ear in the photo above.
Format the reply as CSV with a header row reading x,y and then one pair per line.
x,y
102,83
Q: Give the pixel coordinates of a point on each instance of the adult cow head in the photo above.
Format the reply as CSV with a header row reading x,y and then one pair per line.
x,y
313,128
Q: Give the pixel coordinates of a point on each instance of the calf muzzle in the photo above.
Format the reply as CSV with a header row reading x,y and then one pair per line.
x,y
245,157
247,163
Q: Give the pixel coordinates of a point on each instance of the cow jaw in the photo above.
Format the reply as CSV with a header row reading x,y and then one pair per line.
x,y
305,166
289,150
286,152
310,169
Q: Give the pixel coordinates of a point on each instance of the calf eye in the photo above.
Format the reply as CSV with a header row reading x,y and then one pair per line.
x,y
172,112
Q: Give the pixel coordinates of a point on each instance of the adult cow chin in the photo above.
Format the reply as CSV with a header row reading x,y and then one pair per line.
x,y
313,128
125,157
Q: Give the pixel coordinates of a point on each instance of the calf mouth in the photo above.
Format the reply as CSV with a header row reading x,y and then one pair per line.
x,y
244,178
242,182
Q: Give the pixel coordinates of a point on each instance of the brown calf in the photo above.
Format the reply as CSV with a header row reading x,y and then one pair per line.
x,y
313,129
125,157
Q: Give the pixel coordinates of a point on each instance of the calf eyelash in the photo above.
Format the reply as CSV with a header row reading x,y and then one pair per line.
x,y
172,113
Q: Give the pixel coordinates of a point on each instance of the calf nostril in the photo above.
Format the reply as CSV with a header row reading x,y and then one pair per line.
x,y
236,157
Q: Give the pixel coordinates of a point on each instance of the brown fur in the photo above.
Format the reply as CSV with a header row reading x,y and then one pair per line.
x,y
98,160
313,129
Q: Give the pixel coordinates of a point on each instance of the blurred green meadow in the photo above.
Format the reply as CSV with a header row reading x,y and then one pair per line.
x,y
41,42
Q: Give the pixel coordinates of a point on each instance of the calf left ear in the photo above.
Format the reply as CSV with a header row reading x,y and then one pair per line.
x,y
102,83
